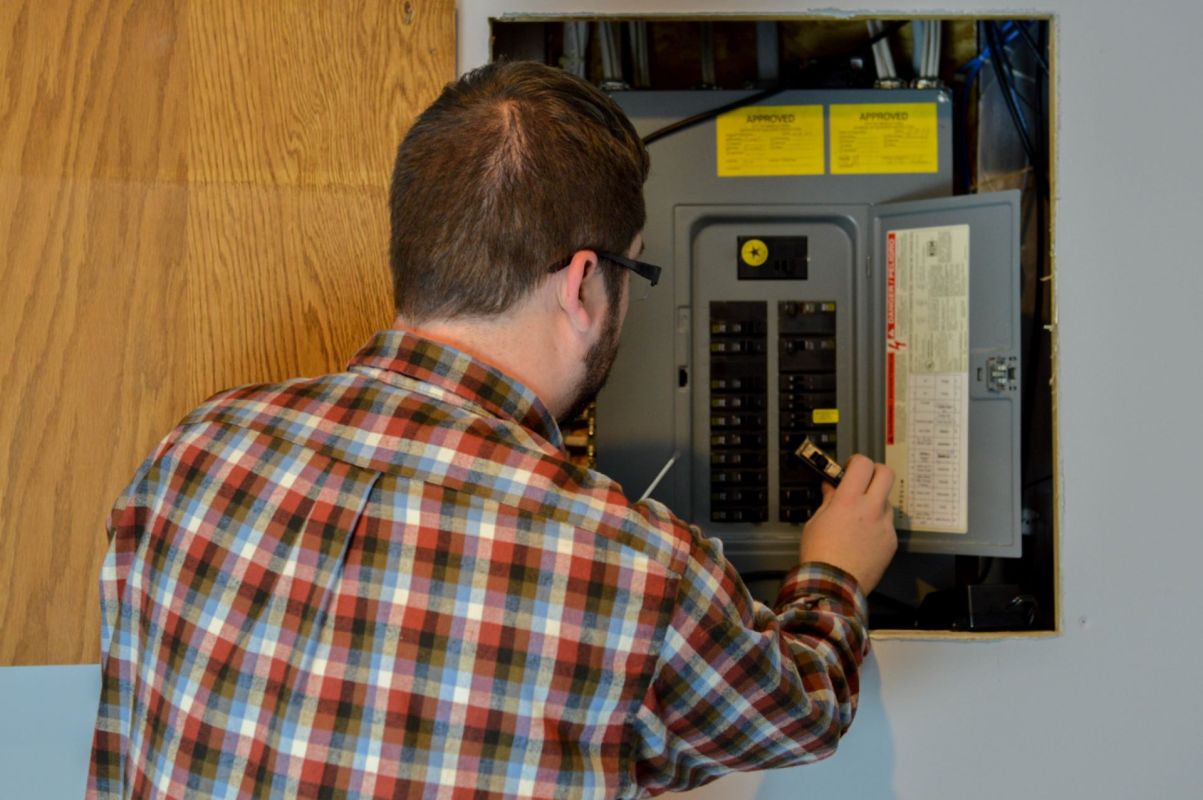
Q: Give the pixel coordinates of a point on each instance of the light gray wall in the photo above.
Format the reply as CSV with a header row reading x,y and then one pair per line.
x,y
46,716
1111,708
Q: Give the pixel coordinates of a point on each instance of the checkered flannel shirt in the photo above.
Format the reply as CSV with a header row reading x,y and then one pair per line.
x,y
392,582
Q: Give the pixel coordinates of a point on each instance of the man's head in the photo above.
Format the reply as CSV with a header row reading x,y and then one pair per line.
x,y
514,168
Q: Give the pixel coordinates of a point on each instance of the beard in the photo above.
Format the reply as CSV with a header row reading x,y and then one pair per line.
x,y
598,362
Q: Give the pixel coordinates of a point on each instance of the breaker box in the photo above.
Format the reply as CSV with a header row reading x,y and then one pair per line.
x,y
821,282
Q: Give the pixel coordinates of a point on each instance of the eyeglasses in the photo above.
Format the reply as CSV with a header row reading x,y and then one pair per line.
x,y
649,272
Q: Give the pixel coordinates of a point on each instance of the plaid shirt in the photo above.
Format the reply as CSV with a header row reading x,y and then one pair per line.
x,y
392,582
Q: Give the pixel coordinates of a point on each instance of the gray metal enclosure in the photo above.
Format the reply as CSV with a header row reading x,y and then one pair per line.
x,y
726,368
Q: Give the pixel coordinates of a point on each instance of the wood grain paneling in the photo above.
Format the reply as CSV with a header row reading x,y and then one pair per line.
x,y
307,92
93,89
287,281
192,195
88,382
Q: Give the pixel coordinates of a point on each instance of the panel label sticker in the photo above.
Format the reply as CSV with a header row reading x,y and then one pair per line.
x,y
770,140
884,138
927,377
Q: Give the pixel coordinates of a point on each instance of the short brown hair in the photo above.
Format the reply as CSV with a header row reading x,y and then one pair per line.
x,y
513,168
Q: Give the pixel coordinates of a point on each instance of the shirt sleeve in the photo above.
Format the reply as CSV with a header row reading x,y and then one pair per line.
x,y
106,774
741,686
123,529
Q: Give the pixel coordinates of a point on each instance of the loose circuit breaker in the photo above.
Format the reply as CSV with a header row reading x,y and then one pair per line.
x,y
819,282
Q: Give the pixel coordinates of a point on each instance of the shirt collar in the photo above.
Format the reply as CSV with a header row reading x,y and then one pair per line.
x,y
452,370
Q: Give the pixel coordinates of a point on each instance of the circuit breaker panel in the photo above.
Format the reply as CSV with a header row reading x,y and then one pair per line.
x,y
774,324
738,408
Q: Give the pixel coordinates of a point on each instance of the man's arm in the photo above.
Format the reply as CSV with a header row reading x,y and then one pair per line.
x,y
742,687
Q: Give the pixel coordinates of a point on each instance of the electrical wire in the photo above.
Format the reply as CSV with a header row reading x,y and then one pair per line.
x,y
918,46
885,32
883,59
969,72
1037,51
1042,201
1004,59
936,36
926,48
1035,146
705,116
1003,73
1002,70
639,54
610,38
698,119
576,43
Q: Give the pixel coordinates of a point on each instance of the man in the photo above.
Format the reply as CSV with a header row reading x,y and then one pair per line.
x,y
392,582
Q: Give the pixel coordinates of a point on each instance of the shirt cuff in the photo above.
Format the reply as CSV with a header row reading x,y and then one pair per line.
x,y
814,583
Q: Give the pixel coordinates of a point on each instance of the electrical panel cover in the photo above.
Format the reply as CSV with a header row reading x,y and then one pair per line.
x,y
840,307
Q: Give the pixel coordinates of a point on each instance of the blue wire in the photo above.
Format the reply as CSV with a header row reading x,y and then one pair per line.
x,y
971,69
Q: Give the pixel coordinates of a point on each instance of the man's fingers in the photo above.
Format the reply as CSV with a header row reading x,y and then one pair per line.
x,y
862,476
879,487
857,474
828,492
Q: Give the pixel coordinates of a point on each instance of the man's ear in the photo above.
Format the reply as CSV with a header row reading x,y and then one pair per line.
x,y
577,295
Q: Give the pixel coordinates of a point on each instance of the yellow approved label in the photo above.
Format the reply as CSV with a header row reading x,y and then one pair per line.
x,y
884,138
770,140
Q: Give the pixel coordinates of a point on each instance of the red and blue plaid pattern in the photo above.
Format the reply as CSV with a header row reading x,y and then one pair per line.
x,y
392,582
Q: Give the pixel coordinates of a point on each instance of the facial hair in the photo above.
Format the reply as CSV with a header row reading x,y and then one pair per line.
x,y
598,362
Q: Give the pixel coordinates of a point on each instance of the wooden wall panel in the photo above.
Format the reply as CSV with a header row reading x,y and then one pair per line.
x,y
87,384
288,281
315,93
192,195
93,89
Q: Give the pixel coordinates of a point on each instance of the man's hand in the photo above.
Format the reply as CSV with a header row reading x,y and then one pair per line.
x,y
854,527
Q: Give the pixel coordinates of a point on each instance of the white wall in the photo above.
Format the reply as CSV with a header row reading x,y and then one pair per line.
x,y
1111,708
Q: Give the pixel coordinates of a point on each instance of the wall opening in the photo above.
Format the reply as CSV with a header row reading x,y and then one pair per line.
x,y
988,82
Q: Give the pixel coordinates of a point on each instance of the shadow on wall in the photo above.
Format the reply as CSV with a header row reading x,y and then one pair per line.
x,y
863,767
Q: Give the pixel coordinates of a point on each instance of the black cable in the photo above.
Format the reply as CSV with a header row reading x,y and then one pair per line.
x,y
1037,482
1041,199
1000,64
1036,50
885,32
705,116
1005,75
962,171
1028,602
1004,59
1036,153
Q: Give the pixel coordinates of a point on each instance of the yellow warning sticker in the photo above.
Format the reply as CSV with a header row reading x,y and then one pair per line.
x,y
825,416
770,140
884,138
